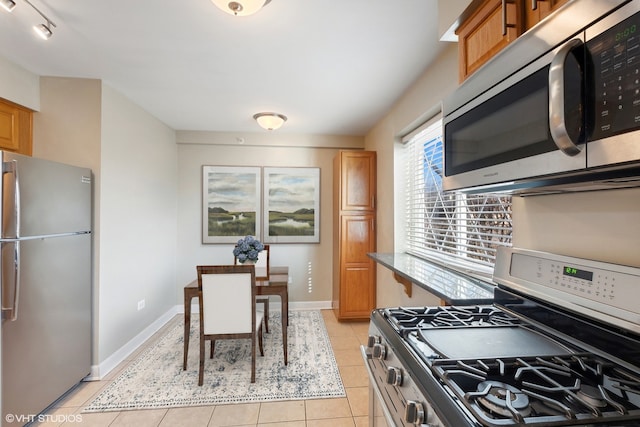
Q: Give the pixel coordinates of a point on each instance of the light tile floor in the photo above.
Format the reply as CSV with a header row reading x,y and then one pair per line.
x,y
349,411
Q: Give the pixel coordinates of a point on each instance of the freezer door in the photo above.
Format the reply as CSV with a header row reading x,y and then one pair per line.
x,y
41,197
47,350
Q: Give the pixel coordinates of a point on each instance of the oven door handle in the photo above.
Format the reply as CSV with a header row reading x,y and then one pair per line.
x,y
557,122
376,389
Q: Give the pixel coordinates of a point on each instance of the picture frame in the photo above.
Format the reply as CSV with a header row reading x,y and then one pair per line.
x,y
291,205
231,203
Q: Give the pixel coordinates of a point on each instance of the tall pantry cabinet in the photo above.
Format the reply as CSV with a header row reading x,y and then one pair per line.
x,y
354,226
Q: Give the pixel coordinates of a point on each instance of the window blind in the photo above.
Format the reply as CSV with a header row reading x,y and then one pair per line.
x,y
460,230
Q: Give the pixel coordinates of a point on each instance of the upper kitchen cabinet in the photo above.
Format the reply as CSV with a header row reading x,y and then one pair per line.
x,y
354,222
540,9
357,180
488,26
16,128
491,27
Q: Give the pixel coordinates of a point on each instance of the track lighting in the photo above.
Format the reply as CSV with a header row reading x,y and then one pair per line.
x,y
43,30
8,5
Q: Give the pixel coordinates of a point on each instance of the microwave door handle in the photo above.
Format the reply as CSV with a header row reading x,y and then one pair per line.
x,y
557,124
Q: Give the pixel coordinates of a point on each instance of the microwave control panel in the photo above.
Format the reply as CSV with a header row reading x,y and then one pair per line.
x,y
615,58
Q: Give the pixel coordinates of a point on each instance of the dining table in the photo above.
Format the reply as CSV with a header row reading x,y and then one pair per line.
x,y
277,284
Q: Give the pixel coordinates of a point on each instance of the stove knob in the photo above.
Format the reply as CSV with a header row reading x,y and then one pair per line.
x,y
379,351
414,412
373,339
394,376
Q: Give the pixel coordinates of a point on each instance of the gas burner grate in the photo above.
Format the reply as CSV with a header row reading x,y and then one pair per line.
x,y
412,318
554,390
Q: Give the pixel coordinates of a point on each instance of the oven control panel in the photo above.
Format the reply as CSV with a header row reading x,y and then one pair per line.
x,y
600,290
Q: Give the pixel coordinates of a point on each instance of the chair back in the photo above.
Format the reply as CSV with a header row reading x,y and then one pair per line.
x,y
228,298
262,264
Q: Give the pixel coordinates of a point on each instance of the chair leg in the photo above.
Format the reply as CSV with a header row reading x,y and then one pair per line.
x,y
201,368
266,315
213,345
265,303
260,341
253,359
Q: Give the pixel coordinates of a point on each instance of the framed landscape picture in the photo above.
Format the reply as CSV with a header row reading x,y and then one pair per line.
x,y
291,205
230,203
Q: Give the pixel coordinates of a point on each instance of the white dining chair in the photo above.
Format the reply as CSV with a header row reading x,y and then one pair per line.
x,y
227,301
262,274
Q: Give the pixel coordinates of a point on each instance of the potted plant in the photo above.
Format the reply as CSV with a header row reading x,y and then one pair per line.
x,y
247,249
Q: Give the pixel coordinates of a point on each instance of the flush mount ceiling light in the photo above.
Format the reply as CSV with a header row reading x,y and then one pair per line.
x,y
270,121
8,5
241,7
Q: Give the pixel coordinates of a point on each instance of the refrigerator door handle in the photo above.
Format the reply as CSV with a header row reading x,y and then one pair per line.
x,y
10,268
10,280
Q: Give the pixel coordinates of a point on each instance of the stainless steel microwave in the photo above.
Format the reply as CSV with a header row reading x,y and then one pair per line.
x,y
557,110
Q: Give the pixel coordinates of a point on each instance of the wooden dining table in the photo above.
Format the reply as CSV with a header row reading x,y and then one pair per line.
x,y
277,284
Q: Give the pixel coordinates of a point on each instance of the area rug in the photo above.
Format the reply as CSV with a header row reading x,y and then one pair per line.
x,y
156,379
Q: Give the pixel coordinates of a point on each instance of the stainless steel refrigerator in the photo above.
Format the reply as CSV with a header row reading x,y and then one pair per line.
x,y
45,273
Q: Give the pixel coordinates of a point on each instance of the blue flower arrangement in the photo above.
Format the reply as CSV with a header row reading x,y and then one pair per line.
x,y
247,248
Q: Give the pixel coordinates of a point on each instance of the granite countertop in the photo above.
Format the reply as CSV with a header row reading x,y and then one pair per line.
x,y
453,288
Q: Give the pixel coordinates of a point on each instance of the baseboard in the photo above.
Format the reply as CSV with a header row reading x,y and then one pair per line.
x,y
98,372
275,305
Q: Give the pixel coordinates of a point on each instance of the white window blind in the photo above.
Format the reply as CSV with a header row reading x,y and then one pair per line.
x,y
460,230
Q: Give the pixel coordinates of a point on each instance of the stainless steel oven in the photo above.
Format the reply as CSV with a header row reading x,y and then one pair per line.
x,y
560,106
560,346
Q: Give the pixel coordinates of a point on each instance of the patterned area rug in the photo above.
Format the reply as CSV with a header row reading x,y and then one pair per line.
x,y
156,379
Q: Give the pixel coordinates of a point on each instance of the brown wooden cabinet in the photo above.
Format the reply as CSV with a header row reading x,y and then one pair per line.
x,y
543,8
354,222
16,124
493,25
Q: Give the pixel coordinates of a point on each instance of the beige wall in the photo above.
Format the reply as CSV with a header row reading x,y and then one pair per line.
x,y
421,100
310,264
19,85
138,222
599,225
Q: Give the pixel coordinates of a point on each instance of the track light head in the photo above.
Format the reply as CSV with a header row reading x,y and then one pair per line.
x,y
8,5
43,30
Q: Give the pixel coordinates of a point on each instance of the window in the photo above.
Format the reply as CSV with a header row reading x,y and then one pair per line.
x,y
461,230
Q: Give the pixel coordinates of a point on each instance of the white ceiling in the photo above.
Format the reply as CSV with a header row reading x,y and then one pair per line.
x,y
332,66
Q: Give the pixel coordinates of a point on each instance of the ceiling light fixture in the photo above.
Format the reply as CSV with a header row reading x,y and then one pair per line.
x,y
8,5
43,30
270,121
241,7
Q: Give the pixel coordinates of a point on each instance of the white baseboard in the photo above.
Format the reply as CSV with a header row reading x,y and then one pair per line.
x,y
100,371
275,306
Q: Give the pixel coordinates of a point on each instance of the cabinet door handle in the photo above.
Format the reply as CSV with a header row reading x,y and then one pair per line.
x,y
534,4
504,17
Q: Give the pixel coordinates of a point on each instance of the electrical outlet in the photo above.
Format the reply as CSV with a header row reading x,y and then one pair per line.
x,y
140,304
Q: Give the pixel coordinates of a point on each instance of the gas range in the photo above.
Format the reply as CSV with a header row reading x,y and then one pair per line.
x,y
524,360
